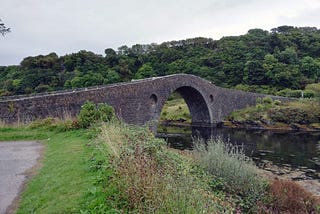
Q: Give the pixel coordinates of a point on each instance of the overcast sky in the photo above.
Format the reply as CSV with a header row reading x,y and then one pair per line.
x,y
67,26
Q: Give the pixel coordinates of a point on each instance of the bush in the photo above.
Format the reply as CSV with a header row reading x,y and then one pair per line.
x,y
315,87
309,93
259,100
284,92
260,107
294,93
289,197
105,112
290,93
289,115
233,169
267,100
90,113
277,102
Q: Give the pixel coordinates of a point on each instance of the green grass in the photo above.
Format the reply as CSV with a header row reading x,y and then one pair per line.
x,y
62,183
174,110
119,168
303,112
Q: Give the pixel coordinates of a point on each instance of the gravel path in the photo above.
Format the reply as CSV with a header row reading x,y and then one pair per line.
x,y
17,161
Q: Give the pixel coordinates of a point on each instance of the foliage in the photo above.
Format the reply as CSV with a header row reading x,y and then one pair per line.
x,y
176,110
147,178
91,113
259,61
289,197
145,71
236,173
125,169
59,186
315,87
300,112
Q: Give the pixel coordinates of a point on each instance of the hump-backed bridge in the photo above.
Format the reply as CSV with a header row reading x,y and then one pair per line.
x,y
136,102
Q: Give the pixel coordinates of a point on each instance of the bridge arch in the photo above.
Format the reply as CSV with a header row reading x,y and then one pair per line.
x,y
195,100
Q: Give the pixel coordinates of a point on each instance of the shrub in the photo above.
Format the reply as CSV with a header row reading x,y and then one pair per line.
x,y
283,92
308,93
289,197
43,123
90,113
228,164
290,93
260,107
315,87
105,112
294,93
277,102
242,87
267,100
289,115
259,100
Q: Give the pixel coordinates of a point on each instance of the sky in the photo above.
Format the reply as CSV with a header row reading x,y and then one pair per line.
x,y
40,27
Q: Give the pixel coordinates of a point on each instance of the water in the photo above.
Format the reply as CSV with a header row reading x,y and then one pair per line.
x,y
281,152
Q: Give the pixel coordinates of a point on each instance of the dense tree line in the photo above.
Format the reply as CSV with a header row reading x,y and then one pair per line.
x,y
263,61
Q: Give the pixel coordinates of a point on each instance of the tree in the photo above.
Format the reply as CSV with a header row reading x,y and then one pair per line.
x,y
112,77
254,74
3,28
288,56
145,71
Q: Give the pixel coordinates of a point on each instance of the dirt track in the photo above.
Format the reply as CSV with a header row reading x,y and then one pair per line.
x,y
17,159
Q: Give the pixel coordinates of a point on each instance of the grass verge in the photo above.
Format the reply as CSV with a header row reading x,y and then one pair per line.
x,y
61,184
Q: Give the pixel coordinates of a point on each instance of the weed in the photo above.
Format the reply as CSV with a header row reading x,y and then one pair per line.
x,y
289,197
90,114
235,172
151,179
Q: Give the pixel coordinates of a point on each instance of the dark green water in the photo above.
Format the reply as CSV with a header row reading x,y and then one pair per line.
x,y
293,151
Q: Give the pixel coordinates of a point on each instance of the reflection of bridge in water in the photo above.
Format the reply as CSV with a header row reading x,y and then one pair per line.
x,y
137,102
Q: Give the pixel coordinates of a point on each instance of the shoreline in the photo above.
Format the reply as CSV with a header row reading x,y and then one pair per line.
x,y
310,184
250,126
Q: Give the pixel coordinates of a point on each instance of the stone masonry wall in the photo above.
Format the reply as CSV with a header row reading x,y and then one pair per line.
x,y
136,102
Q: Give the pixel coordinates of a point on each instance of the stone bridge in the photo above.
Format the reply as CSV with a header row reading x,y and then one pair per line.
x,y
136,102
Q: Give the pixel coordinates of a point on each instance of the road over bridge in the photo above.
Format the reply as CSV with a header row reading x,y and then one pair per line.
x,y
136,102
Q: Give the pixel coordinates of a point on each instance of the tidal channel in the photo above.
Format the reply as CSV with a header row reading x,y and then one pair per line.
x,y
281,152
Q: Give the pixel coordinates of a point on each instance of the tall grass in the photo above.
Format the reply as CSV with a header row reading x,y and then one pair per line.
x,y
234,172
152,179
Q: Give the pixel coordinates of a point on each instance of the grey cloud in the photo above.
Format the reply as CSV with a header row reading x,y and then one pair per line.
x,y
66,26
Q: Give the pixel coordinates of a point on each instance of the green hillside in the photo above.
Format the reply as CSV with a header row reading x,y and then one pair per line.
x,y
262,61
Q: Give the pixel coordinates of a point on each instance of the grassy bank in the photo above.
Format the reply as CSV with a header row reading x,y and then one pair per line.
x,y
61,184
139,174
303,114
118,168
175,110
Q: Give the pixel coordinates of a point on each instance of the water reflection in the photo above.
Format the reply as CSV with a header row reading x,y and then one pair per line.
x,y
294,150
